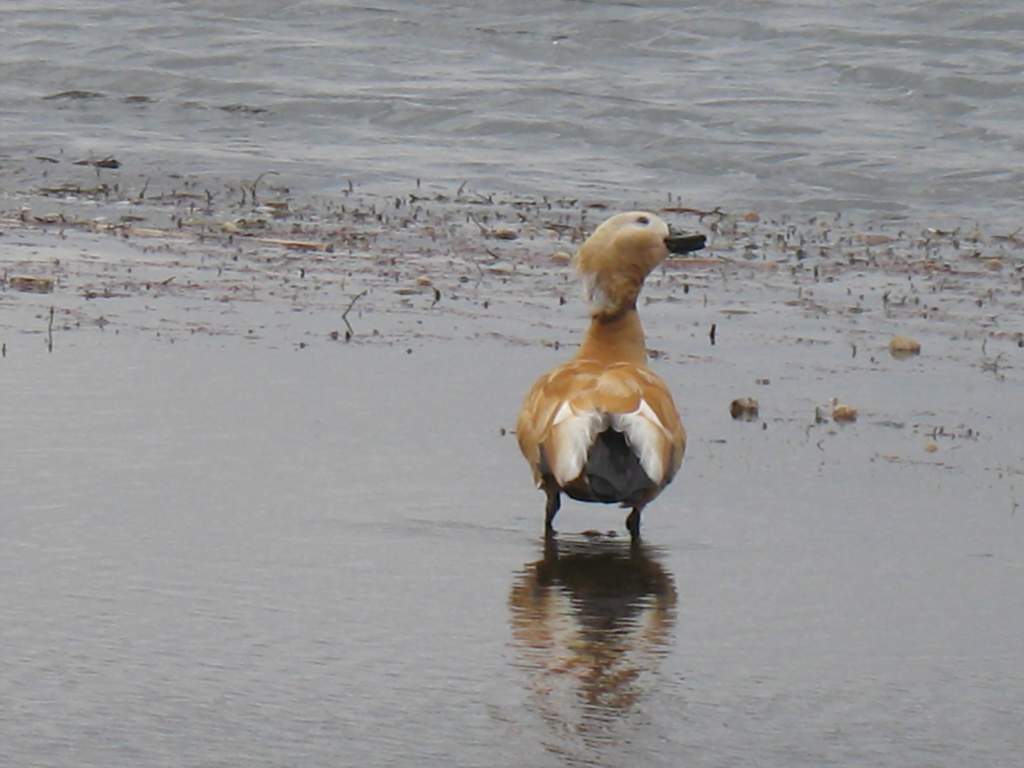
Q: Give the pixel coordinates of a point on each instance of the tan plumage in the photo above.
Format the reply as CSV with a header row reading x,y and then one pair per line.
x,y
603,427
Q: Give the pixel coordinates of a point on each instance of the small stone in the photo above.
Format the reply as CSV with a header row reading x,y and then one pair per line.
x,y
743,408
842,412
424,281
904,346
31,284
931,447
875,239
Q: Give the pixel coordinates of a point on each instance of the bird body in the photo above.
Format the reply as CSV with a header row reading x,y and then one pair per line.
x,y
603,427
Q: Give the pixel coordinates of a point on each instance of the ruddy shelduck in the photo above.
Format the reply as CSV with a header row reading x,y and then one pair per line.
x,y
603,427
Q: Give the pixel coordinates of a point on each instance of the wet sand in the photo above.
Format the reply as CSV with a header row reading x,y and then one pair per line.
x,y
238,529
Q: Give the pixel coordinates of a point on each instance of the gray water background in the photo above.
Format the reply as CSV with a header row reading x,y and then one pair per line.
x,y
910,110
228,552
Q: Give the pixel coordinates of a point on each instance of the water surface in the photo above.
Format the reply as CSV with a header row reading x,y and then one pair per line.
x,y
907,110
219,553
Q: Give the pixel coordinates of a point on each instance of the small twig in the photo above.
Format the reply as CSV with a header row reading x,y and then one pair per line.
x,y
483,230
480,270
344,315
1013,237
716,211
252,189
993,364
49,333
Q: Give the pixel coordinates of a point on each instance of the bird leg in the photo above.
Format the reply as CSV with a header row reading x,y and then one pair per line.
x,y
633,522
551,508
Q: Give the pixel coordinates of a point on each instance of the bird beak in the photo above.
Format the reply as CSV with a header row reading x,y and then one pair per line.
x,y
684,243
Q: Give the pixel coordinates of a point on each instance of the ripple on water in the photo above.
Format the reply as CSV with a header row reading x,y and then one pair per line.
x,y
620,99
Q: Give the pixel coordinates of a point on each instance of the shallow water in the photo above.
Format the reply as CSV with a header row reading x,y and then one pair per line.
x,y
912,110
218,552
228,537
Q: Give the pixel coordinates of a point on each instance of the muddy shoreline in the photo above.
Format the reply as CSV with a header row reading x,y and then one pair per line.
x,y
771,300
260,483
773,306
109,244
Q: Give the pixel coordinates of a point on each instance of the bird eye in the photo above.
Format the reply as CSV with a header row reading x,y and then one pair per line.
x,y
643,220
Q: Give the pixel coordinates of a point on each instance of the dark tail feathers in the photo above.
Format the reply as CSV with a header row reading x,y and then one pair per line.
x,y
613,472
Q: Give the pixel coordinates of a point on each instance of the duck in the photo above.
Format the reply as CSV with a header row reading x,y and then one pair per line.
x,y
603,427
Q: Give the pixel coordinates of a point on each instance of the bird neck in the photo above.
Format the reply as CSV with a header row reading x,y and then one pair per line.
x,y
617,338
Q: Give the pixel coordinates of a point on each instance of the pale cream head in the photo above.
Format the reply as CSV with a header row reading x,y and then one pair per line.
x,y
617,257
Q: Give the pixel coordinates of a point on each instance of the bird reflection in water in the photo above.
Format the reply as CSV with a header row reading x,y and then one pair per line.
x,y
590,623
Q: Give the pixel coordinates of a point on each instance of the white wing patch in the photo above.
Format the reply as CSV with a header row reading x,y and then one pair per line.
x,y
572,434
646,435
